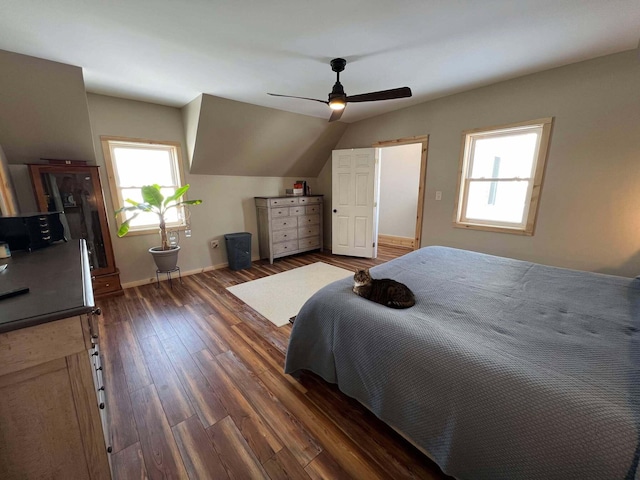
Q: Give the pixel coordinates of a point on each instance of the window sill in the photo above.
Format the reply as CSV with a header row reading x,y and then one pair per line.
x,y
154,230
491,228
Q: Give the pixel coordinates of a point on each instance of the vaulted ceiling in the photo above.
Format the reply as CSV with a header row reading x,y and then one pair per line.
x,y
170,52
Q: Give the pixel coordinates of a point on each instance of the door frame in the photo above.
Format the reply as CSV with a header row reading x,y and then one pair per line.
x,y
424,140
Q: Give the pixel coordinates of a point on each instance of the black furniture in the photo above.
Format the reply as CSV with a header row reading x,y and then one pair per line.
x,y
32,230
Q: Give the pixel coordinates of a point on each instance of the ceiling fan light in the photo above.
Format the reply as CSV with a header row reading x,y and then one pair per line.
x,y
337,104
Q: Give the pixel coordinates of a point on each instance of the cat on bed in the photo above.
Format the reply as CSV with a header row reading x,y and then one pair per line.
x,y
384,291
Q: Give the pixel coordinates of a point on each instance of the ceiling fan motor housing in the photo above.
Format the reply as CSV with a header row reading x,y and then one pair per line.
x,y
338,64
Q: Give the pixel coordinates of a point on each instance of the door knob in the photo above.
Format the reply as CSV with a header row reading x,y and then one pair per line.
x,y
335,211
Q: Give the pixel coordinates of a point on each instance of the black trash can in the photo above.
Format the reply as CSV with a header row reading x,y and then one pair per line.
x,y
238,250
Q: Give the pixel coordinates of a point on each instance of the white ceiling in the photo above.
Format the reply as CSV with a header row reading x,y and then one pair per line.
x,y
170,51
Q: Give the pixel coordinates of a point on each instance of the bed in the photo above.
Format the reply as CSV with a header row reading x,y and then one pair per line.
x,y
502,369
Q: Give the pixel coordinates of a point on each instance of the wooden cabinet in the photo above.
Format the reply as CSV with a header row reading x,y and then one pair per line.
x,y
76,192
50,421
288,225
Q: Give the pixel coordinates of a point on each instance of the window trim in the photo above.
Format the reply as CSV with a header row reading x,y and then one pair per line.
x,y
535,186
117,201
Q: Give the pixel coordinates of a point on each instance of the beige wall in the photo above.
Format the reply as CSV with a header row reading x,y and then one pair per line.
x,y
43,110
227,207
399,182
589,215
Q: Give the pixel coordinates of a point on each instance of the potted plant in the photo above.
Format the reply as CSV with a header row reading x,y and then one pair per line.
x,y
165,256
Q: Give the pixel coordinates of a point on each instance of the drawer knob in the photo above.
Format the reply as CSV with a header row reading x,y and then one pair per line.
x,y
106,284
109,449
285,236
97,311
101,405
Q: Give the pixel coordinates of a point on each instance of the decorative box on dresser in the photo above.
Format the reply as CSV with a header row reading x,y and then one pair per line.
x,y
74,190
288,225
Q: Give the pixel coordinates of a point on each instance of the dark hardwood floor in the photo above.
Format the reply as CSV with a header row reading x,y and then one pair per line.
x,y
196,389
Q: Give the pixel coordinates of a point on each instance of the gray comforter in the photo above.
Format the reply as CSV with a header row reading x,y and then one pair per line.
x,y
502,369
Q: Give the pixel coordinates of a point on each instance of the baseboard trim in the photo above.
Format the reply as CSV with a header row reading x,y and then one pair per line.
x,y
183,273
395,241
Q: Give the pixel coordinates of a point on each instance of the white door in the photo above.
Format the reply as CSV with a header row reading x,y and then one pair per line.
x,y
354,203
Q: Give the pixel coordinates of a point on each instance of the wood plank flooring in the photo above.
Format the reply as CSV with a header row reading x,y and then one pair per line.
x,y
196,389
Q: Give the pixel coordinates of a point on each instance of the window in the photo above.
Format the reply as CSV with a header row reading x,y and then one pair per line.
x,y
134,163
501,177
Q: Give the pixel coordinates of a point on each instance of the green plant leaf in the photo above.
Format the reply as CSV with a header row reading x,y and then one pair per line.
x,y
151,194
185,202
179,192
124,226
140,207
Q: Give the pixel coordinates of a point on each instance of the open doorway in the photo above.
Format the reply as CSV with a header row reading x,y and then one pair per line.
x,y
402,177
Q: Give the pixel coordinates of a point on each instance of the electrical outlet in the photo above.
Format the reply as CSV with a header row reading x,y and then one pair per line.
x,y
214,244
438,195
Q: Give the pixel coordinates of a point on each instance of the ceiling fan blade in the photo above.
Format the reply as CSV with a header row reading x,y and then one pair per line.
x,y
335,115
402,92
301,98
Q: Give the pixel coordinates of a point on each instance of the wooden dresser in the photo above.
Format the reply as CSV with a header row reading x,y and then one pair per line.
x,y
53,410
288,225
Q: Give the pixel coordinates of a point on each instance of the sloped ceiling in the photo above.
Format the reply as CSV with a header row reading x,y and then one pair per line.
x,y
226,137
43,110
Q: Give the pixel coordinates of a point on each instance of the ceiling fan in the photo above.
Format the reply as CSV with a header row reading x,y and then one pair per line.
x,y
338,99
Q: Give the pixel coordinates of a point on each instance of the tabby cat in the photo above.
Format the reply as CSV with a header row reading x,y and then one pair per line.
x,y
384,291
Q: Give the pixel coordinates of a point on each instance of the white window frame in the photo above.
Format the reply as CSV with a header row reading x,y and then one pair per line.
x,y
527,226
117,198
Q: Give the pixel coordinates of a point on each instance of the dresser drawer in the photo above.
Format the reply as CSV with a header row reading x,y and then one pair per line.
x,y
284,223
308,231
311,242
285,235
311,209
280,212
300,210
105,284
310,200
279,248
309,220
287,201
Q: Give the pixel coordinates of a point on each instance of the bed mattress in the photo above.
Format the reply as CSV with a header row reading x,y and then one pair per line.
x,y
502,369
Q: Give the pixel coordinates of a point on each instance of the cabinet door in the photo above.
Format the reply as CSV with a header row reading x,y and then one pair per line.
x,y
41,436
76,192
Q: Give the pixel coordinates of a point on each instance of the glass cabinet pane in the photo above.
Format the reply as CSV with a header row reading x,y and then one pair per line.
x,y
73,194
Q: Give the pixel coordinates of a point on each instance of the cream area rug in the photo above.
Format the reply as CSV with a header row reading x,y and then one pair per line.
x,y
280,297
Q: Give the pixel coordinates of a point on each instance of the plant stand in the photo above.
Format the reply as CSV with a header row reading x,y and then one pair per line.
x,y
168,274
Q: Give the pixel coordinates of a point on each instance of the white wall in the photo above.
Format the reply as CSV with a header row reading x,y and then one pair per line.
x,y
227,207
588,216
399,182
